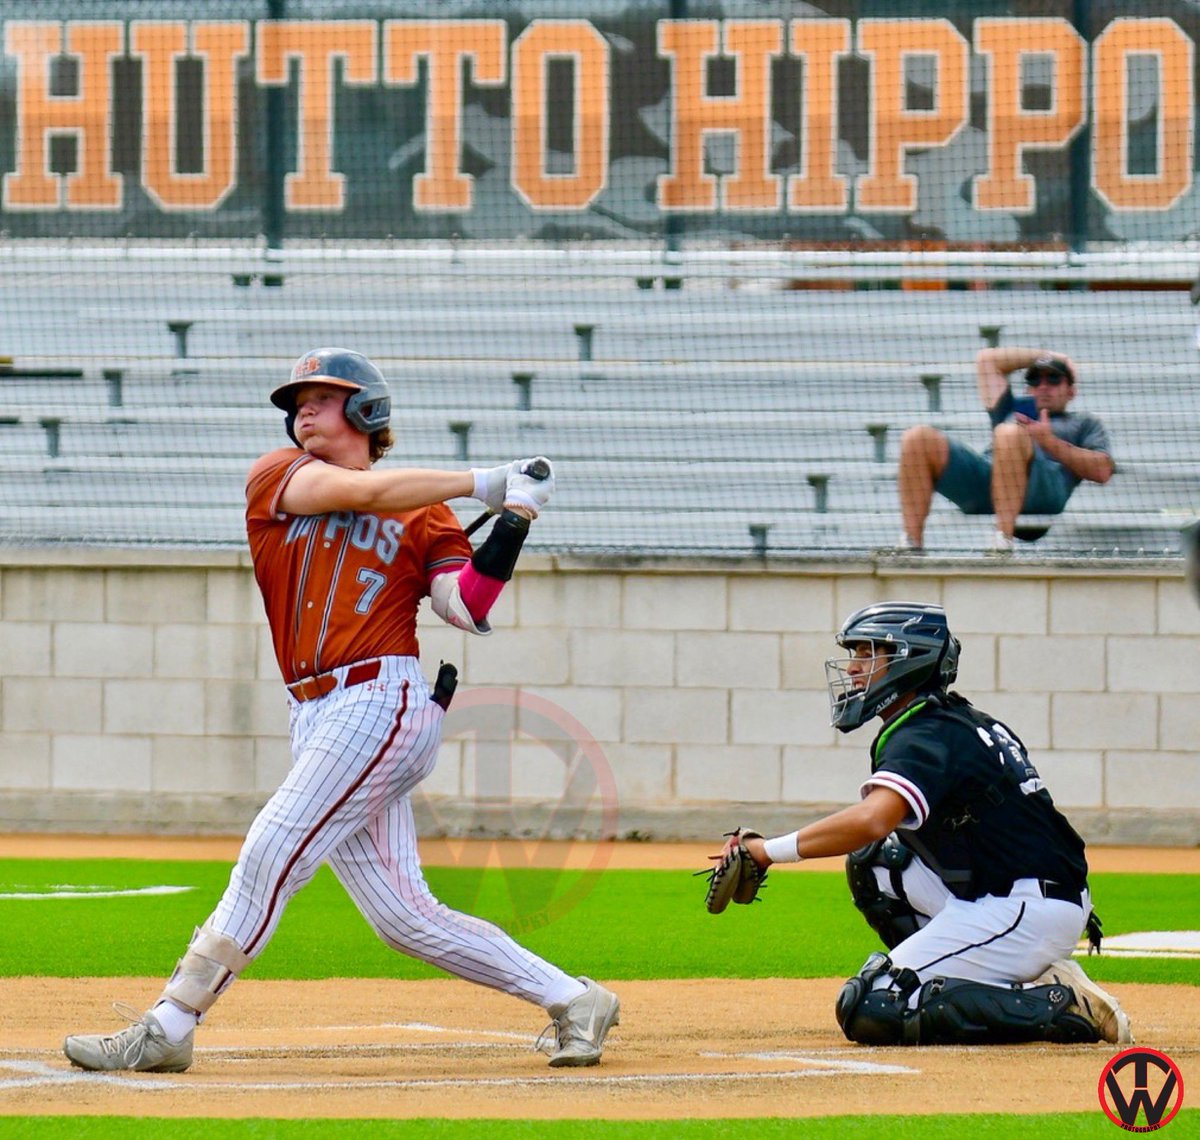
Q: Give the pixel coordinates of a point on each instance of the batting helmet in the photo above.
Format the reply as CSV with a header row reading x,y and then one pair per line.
x,y
923,658
369,406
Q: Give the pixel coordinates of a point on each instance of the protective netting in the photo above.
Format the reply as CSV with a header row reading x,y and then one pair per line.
x,y
714,260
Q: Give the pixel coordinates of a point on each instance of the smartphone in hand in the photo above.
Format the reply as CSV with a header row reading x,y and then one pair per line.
x,y
1026,405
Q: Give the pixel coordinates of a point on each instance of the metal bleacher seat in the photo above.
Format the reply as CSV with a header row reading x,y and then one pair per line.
x,y
713,419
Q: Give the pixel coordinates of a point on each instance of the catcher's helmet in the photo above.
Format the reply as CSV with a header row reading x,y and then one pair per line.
x,y
923,658
369,406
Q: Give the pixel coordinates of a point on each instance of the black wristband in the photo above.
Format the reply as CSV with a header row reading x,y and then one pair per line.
x,y
497,556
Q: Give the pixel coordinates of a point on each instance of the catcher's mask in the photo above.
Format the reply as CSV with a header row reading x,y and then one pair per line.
x,y
921,653
369,405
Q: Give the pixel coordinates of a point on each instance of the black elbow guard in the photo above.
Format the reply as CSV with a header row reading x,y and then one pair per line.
x,y
497,556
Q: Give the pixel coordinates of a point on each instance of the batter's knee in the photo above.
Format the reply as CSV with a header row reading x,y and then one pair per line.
x,y
871,1013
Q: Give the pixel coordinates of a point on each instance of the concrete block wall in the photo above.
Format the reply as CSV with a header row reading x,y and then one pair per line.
x,y
139,692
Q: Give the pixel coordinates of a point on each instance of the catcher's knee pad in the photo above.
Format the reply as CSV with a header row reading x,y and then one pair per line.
x,y
209,967
878,1015
957,1012
893,919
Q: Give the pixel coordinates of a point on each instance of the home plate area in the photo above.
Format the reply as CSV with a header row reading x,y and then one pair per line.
x,y
697,1048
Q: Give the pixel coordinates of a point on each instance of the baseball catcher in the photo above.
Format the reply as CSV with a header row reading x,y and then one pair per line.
x,y
956,856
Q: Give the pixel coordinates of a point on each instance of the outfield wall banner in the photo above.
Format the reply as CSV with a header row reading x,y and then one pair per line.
x,y
979,122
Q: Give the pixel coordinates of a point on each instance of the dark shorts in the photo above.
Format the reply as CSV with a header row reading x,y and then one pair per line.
x,y
967,482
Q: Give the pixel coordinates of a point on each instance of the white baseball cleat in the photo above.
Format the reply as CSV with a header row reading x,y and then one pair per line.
x,y
581,1025
1091,1002
143,1047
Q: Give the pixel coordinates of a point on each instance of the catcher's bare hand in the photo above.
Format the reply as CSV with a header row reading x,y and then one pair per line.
x,y
737,875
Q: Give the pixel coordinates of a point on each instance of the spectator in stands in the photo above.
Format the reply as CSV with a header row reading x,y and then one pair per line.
x,y
1040,451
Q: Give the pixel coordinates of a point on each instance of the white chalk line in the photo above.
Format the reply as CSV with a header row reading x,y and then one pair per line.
x,y
40,1074
34,1073
77,891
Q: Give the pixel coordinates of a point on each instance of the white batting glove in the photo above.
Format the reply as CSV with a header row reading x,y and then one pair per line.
x,y
526,491
491,485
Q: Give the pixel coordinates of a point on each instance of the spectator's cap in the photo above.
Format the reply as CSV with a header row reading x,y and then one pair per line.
x,y
1050,366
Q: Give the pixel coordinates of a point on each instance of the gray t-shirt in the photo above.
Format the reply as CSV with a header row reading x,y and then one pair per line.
x,y
1080,429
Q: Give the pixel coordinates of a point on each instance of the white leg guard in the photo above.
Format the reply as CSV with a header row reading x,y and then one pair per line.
x,y
209,967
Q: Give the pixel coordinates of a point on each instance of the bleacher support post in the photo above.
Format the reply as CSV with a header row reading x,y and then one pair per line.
x,y
878,433
820,486
524,383
462,430
584,333
758,537
933,388
52,426
113,377
180,330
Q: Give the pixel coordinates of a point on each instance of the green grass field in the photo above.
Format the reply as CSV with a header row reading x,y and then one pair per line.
x,y
1057,1126
806,927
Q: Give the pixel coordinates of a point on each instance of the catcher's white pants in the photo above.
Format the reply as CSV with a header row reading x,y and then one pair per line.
x,y
992,939
358,753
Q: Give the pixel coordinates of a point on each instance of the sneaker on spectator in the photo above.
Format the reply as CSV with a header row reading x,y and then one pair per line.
x,y
903,545
1001,544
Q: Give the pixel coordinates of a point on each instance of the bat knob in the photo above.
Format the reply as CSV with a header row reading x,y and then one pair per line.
x,y
537,469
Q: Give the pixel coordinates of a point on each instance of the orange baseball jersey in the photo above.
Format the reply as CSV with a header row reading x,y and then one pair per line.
x,y
344,586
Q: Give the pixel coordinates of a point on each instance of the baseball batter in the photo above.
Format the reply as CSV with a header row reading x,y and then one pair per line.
x,y
343,555
958,857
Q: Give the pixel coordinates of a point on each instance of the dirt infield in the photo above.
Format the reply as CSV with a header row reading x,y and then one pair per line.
x,y
696,1048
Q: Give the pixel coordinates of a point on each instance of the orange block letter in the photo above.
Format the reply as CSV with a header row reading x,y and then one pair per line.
x,y
445,44
316,44
753,44
86,116
1170,46
161,46
818,188
895,130
587,50
1011,129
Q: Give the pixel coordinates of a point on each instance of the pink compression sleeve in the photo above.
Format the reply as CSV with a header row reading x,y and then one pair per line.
x,y
478,591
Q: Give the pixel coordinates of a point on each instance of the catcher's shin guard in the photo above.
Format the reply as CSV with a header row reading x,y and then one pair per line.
x,y
209,967
957,1012
893,919
878,1016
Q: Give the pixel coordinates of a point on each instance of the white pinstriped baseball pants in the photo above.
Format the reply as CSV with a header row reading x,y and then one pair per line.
x,y
358,753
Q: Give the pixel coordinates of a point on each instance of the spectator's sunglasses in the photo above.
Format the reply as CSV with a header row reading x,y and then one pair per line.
x,y
1054,379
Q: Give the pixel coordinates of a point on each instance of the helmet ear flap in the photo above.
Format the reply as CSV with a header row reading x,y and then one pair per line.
x,y
950,664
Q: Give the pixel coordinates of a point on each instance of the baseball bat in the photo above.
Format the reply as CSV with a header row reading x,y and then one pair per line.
x,y
537,469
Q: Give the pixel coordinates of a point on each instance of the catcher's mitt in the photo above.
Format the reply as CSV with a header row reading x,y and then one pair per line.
x,y
735,877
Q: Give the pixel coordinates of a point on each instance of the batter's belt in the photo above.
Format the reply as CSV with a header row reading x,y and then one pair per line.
x,y
309,688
